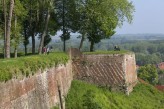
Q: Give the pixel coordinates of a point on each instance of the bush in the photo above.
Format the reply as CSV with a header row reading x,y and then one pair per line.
x,y
148,73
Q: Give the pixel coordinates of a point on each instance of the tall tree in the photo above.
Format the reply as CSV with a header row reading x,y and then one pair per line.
x,y
16,35
31,23
99,18
4,13
8,29
26,34
64,11
47,7
44,31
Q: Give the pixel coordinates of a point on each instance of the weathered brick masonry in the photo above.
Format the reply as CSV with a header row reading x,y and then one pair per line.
x,y
36,92
41,90
117,71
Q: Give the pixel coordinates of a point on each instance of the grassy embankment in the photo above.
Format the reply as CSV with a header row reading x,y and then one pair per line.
x,y
87,96
108,52
28,65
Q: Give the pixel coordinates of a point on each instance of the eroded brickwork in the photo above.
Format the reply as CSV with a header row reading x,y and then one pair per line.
x,y
36,92
117,71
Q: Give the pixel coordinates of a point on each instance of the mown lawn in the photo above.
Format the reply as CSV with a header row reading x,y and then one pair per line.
x,y
87,96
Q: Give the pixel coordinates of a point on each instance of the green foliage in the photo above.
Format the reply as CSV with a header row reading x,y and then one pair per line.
x,y
98,19
148,73
143,97
29,65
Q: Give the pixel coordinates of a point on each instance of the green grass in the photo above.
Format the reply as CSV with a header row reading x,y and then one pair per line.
x,y
109,52
86,96
28,65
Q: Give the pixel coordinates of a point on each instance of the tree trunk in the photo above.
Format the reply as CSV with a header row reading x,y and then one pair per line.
x,y
4,10
92,46
25,49
44,32
15,26
15,52
63,18
8,29
81,42
25,40
33,42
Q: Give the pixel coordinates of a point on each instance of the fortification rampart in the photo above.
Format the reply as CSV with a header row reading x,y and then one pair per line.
x,y
40,91
47,88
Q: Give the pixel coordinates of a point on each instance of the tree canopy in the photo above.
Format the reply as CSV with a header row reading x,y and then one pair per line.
x,y
93,19
99,18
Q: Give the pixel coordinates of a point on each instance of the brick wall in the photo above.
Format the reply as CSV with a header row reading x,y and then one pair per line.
x,y
36,92
117,71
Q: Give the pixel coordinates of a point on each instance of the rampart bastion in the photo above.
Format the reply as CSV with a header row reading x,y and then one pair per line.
x,y
116,71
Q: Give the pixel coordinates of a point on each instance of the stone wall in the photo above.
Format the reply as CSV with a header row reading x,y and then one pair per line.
x,y
117,71
40,91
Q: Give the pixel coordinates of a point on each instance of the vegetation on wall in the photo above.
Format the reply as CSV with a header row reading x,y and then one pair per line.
x,y
87,96
25,66
108,52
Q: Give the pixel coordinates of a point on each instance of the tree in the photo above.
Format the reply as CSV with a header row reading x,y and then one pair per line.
x,y
98,19
44,31
8,29
148,73
64,12
16,35
26,35
4,27
48,6
31,22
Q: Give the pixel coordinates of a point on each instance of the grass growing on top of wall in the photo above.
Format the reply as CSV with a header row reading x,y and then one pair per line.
x,y
86,96
109,52
28,65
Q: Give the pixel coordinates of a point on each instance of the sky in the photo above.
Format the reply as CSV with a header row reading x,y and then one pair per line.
x,y
148,18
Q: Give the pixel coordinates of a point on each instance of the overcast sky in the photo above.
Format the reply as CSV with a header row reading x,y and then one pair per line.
x,y
148,18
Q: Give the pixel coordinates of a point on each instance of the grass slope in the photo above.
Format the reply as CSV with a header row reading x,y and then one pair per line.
x,y
87,96
28,65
